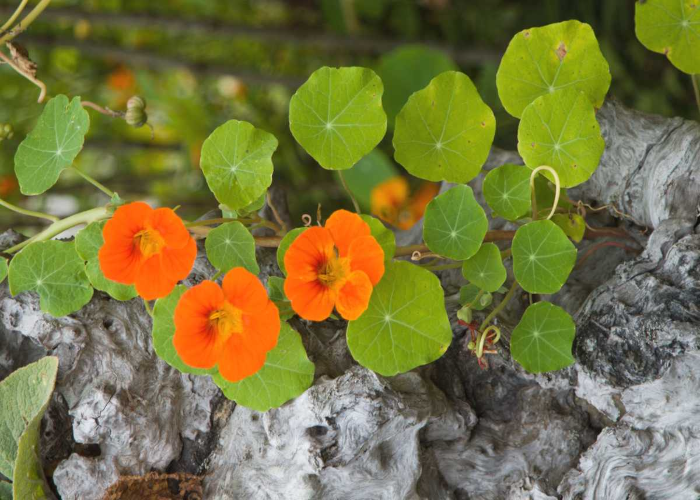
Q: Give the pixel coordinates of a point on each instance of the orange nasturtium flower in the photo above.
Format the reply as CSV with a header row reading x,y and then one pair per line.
x,y
336,265
391,201
234,325
149,248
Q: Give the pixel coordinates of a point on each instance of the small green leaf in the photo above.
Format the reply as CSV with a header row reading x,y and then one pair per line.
x,y
445,131
287,373
561,130
469,296
367,173
237,163
405,325
55,271
384,236
543,257
231,245
573,225
275,289
5,490
254,206
3,269
540,61
52,145
455,224
671,27
284,246
485,269
337,115
507,191
88,243
542,340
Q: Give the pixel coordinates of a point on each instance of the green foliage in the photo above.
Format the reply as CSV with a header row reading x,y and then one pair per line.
x,y
52,146
337,115
445,131
231,245
3,269
671,27
275,289
543,257
540,61
287,373
287,240
455,224
485,269
88,243
384,236
56,272
237,163
561,130
543,339
5,491
507,191
469,296
405,325
573,225
367,173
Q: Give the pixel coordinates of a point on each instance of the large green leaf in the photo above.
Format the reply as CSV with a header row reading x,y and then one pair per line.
x,y
507,191
24,396
337,115
231,245
445,131
485,269
88,243
542,340
543,257
405,325
561,130
407,70
384,236
56,272
540,61
286,242
455,224
287,373
52,145
671,27
367,173
237,163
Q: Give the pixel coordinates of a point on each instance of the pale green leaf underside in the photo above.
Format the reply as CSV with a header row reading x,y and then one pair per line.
x,y
405,325
455,224
237,163
52,145
445,131
671,27
337,115
56,272
485,269
543,339
507,191
5,491
3,269
543,257
384,236
286,242
468,295
287,373
540,61
573,225
275,289
231,245
561,130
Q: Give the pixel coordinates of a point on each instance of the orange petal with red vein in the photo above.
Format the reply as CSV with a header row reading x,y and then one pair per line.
x,y
239,359
126,222
353,298
153,280
244,290
170,227
120,261
345,227
310,299
264,326
178,262
308,252
368,256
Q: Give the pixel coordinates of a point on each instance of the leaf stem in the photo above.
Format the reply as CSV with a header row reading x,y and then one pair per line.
x,y
30,213
14,16
443,267
557,185
92,181
31,78
500,306
696,88
24,23
347,190
276,214
147,305
104,110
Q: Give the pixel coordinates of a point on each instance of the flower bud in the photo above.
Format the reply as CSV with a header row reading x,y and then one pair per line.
x,y
6,131
136,112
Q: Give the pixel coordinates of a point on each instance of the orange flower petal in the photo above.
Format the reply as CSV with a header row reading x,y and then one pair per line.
x,y
120,261
127,220
308,252
263,327
367,255
194,340
178,262
170,227
310,299
353,298
345,227
244,291
422,197
388,196
239,359
153,280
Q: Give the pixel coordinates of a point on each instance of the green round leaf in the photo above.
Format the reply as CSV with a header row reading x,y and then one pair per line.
x,y
52,145
287,373
445,131
485,269
87,243
337,115
56,272
3,269
405,325
468,297
384,236
367,173
231,245
573,225
507,191
540,61
671,27
237,163
275,289
455,224
561,130
407,70
287,240
542,340
543,257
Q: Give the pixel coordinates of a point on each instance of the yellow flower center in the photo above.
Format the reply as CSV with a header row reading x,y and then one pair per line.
x,y
149,242
226,321
334,272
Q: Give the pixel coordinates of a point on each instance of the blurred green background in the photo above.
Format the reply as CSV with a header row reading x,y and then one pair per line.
x,y
199,63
